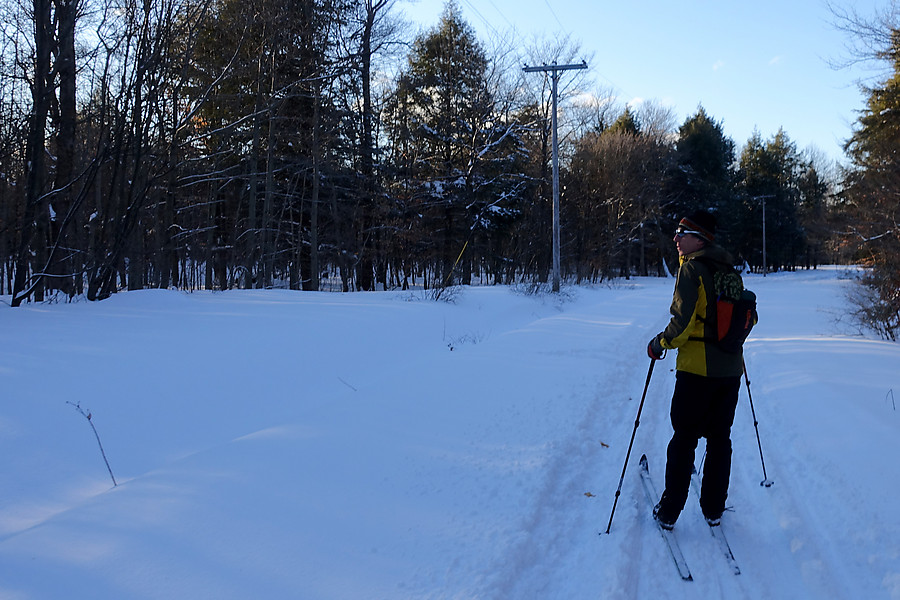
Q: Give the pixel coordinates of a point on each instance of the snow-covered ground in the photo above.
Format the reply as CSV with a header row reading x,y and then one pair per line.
x,y
382,446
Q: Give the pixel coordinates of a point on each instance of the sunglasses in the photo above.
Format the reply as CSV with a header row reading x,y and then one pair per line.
x,y
681,232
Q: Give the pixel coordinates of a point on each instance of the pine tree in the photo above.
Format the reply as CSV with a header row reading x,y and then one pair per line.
x,y
270,125
815,192
703,176
872,189
770,173
626,123
451,150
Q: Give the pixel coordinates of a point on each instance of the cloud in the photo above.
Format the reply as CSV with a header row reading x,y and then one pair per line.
x,y
718,65
668,102
591,99
635,102
775,60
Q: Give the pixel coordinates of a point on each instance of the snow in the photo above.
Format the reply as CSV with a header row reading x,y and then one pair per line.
x,y
286,444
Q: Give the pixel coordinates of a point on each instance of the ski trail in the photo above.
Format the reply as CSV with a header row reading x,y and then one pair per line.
x,y
560,534
623,577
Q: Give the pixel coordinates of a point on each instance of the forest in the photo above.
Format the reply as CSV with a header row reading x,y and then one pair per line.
x,y
325,145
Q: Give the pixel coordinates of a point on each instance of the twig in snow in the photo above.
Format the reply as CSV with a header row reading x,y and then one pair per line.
x,y
87,415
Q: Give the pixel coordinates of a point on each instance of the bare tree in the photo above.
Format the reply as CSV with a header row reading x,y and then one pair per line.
x,y
32,222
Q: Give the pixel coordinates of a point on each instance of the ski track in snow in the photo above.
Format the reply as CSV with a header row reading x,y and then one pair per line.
x,y
535,567
565,531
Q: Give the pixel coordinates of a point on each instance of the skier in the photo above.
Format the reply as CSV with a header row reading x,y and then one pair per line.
x,y
707,378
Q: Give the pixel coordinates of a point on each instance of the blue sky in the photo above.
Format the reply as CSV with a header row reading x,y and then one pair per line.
x,y
760,65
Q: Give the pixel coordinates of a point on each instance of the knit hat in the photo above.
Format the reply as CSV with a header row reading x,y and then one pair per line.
x,y
701,222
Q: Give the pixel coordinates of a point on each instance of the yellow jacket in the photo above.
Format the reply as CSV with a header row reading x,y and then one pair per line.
x,y
693,318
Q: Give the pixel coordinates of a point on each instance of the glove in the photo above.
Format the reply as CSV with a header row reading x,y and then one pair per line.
x,y
655,349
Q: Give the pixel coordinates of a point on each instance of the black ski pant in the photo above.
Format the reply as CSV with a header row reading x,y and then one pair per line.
x,y
701,407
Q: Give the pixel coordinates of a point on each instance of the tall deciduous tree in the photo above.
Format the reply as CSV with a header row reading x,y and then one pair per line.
x,y
615,184
138,120
34,217
374,33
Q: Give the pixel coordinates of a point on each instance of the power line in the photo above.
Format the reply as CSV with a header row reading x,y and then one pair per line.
x,y
517,36
552,12
484,20
500,12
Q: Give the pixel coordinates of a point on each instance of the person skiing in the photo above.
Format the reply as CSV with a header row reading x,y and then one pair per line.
x,y
707,378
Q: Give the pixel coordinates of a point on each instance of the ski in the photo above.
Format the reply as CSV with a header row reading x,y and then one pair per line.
x,y
716,530
667,535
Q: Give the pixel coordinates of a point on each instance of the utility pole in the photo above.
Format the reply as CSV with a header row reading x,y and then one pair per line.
x,y
763,198
554,70
765,262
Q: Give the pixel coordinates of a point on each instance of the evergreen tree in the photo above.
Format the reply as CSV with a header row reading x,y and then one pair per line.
x,y
626,123
815,193
769,180
451,151
703,174
872,189
270,129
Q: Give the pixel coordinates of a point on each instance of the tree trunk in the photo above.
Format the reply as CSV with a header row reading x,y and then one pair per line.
x,y
268,249
60,265
34,151
314,202
367,242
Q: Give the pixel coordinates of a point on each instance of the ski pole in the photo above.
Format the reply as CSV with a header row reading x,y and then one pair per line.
x,y
637,421
766,481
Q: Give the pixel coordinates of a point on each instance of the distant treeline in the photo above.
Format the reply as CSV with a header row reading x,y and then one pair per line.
x,y
222,143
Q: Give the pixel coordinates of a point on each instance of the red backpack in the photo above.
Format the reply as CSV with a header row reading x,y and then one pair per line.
x,y
735,308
